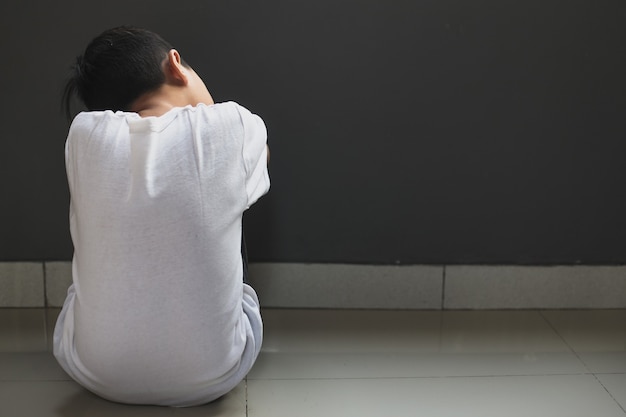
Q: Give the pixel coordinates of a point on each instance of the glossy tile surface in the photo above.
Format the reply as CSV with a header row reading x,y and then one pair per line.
x,y
66,399
598,337
591,331
616,385
23,330
31,366
553,396
369,363
367,344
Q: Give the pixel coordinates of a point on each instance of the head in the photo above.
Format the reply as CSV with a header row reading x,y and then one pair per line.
x,y
118,66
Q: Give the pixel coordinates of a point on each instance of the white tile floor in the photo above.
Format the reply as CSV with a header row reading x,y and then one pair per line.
x,y
369,363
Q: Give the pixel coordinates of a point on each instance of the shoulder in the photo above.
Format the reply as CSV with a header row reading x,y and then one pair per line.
x,y
230,109
88,120
87,117
228,115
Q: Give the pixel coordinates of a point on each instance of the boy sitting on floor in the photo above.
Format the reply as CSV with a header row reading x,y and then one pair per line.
x,y
159,176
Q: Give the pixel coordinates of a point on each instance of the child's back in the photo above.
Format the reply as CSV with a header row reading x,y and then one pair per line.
x,y
158,312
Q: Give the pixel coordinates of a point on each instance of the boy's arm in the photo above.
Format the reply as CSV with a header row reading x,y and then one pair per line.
x,y
254,146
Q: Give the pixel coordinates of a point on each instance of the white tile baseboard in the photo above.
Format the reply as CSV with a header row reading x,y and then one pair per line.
x,y
348,286
58,280
420,287
429,287
534,287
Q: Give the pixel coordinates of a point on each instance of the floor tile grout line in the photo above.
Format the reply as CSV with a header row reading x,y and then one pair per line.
x,y
45,286
246,393
443,288
609,392
39,380
547,320
46,333
571,348
389,378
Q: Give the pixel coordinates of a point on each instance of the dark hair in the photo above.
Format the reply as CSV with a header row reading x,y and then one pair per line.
x,y
117,67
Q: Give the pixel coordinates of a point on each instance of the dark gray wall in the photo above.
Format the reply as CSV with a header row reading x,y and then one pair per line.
x,y
428,131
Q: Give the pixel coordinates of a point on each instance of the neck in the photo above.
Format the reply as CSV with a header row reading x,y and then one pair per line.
x,y
159,102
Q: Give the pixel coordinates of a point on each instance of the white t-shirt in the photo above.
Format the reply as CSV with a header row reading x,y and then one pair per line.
x,y
158,313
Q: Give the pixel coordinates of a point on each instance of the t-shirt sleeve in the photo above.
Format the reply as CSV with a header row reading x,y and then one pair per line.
x,y
254,155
